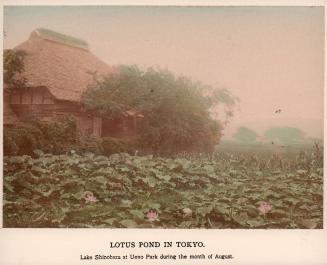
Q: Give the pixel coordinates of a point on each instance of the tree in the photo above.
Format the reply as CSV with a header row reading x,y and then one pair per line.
x,y
245,135
13,65
285,135
176,113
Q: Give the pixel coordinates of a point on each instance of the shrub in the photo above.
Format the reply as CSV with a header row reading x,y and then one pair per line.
x,y
112,145
89,144
55,137
22,140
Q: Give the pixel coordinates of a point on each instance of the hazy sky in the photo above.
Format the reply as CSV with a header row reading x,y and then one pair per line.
x,y
269,57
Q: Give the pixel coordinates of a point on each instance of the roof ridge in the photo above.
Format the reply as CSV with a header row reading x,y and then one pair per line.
x,y
54,36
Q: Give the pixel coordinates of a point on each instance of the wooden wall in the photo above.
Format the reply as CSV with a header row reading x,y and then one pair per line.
x,y
36,96
38,103
119,127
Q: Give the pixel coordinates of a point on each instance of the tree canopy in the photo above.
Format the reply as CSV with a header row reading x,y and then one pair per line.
x,y
12,66
285,135
245,135
177,114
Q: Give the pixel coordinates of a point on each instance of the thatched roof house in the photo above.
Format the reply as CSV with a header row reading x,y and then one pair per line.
x,y
62,64
58,69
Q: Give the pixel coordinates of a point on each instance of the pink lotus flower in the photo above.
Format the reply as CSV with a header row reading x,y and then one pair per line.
x,y
89,197
265,207
152,215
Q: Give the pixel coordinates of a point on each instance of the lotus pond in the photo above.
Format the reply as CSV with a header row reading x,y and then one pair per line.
x,y
123,191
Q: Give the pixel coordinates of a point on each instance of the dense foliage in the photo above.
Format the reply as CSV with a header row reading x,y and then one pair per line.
x,y
245,135
111,145
12,66
177,115
285,135
54,137
227,190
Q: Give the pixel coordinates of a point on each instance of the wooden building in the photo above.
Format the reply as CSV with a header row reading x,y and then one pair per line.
x,y
58,69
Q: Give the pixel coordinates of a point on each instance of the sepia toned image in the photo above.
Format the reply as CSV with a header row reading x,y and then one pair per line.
x,y
163,117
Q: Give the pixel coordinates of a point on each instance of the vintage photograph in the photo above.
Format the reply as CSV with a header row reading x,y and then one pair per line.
x,y
163,117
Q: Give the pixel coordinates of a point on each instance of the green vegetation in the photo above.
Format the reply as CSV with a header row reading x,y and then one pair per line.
x,y
54,137
228,190
111,145
12,66
285,135
245,135
100,185
177,115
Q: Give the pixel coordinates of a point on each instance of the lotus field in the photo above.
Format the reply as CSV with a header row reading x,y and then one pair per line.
x,y
226,190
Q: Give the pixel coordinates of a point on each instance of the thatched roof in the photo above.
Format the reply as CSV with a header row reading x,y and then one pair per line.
x,y
61,63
